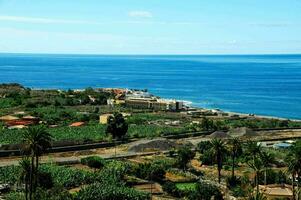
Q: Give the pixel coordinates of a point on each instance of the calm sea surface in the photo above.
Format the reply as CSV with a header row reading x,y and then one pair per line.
x,y
265,84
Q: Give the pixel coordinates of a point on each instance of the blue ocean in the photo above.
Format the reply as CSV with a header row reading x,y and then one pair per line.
x,y
260,84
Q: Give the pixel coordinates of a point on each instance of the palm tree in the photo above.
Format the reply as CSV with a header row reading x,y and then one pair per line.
x,y
256,164
267,159
252,150
293,167
36,141
294,164
219,149
25,173
207,124
235,148
117,126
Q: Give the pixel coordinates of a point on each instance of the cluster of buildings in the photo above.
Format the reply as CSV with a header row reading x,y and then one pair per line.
x,y
14,122
144,100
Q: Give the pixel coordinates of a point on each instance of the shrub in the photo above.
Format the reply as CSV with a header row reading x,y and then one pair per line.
x,y
10,174
205,191
196,172
207,158
95,162
199,190
154,170
185,154
204,146
45,180
60,194
68,177
113,172
150,171
183,176
15,196
172,189
187,187
232,181
238,191
273,177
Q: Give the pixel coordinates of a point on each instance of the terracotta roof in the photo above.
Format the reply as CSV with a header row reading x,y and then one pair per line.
x,y
19,122
76,124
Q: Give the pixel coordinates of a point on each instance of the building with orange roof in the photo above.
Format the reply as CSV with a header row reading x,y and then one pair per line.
x,y
77,124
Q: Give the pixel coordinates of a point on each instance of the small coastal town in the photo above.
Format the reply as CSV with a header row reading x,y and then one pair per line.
x,y
114,143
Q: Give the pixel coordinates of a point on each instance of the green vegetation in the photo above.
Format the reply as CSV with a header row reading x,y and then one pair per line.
x,y
186,186
108,191
253,123
259,123
89,132
95,162
110,178
192,191
36,140
185,155
68,177
253,165
239,165
117,126
219,150
61,108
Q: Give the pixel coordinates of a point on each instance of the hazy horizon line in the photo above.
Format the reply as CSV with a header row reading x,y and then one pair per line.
x,y
137,54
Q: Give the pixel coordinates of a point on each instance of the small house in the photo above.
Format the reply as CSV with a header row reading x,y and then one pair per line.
x,y
77,124
276,191
8,118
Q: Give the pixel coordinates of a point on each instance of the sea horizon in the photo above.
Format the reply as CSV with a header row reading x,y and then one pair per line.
x,y
265,85
137,54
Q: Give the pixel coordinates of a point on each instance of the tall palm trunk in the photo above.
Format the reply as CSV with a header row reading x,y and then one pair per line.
x,y
31,178
219,167
257,182
36,173
26,191
293,185
219,175
26,186
265,176
233,165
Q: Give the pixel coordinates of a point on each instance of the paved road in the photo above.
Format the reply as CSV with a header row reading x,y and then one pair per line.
x,y
108,153
76,159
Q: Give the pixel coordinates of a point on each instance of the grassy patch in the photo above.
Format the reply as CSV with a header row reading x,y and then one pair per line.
x,y
186,186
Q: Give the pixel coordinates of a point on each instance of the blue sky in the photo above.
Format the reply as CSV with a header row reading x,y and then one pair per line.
x,y
150,26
